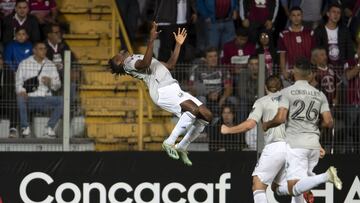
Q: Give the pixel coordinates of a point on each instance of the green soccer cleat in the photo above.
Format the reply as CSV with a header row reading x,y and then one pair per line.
x,y
333,177
184,156
170,150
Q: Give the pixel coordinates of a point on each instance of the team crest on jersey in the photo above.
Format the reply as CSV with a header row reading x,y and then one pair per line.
x,y
276,98
298,39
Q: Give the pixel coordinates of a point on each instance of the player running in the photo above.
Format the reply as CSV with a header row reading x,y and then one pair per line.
x,y
301,105
271,165
165,91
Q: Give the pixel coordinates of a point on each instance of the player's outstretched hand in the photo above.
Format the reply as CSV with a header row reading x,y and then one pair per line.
x,y
224,129
153,32
180,36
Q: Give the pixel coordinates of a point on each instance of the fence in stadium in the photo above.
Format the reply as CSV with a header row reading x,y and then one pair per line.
x,y
102,113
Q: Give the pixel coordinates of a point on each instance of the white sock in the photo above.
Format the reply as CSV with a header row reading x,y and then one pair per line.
x,y
192,134
186,120
282,190
298,199
260,196
308,183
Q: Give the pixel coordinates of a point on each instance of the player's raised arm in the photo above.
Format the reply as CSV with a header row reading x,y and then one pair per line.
x,y
279,119
146,61
180,37
241,128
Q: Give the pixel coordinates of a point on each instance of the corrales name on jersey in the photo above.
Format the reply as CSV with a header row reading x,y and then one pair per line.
x,y
160,192
305,92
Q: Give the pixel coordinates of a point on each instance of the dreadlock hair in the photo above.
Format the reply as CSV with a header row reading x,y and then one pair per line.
x,y
116,69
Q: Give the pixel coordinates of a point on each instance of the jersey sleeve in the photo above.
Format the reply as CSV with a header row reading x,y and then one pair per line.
x,y
324,104
284,100
256,112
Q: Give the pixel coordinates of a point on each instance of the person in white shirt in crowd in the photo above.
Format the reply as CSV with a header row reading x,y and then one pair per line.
x,y
39,97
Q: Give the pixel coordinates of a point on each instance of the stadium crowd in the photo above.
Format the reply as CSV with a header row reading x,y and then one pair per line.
x,y
226,37
31,47
218,63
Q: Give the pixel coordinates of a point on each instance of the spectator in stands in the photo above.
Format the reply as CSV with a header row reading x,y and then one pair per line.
x,y
221,142
40,98
294,42
246,86
130,13
211,83
6,7
335,38
44,10
239,47
266,47
328,81
15,52
312,10
219,16
56,48
172,15
352,73
21,17
257,15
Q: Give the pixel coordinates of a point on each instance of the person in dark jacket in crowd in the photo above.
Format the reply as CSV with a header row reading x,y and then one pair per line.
x,y
21,17
256,15
335,38
172,15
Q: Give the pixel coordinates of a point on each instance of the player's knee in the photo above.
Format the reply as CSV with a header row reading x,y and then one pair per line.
x,y
257,184
195,111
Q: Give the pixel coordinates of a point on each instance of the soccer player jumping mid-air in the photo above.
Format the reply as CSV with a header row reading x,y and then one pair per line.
x,y
165,91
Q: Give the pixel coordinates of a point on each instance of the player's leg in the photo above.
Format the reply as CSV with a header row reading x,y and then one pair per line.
x,y
269,168
170,98
259,190
203,116
307,183
185,122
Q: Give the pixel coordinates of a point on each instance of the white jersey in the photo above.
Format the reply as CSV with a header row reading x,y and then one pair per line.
x,y
164,90
304,103
266,108
155,77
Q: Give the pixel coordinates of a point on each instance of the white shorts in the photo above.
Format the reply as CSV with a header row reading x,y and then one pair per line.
x,y
300,163
271,165
171,96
